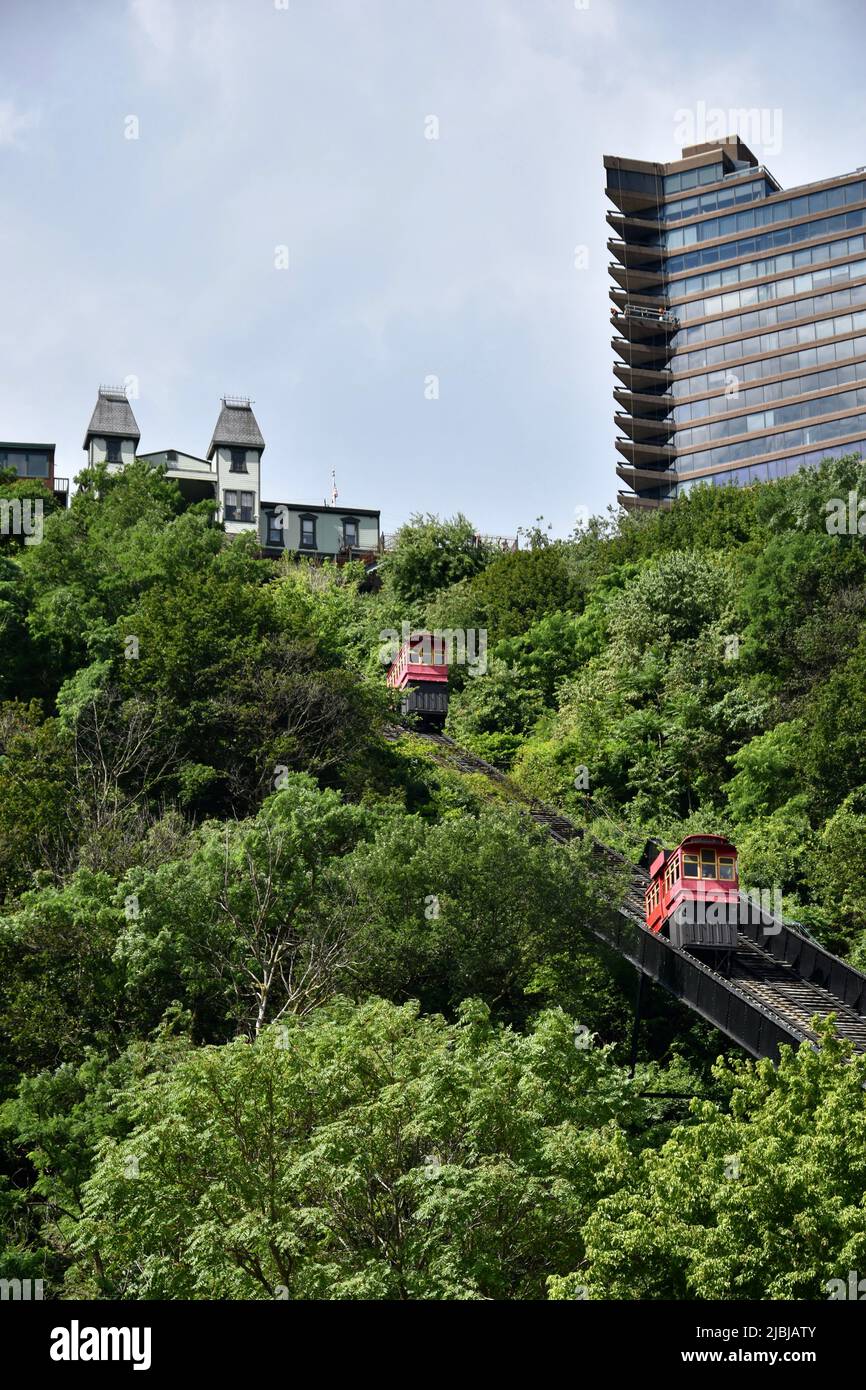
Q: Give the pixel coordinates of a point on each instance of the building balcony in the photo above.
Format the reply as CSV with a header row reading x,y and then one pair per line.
x,y
654,355
651,455
636,279
633,503
645,477
644,431
634,229
638,378
622,298
632,203
643,404
632,254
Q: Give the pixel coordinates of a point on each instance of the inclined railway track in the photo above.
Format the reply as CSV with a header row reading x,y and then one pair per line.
x,y
776,980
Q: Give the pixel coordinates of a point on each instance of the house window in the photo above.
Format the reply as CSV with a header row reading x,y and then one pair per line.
x,y
171,455
276,529
308,533
350,533
238,461
238,506
112,451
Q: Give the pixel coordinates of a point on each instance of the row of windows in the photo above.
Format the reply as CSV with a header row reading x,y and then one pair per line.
x,y
787,439
769,342
774,289
716,201
769,471
836,351
765,395
767,419
770,265
782,236
633,181
707,864
693,178
703,863
26,464
777,313
840,196
308,541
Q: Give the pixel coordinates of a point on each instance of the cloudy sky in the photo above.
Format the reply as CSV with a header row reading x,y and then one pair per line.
x,y
299,131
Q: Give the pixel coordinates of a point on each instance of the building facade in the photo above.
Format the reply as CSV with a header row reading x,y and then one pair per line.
x,y
35,461
230,474
739,312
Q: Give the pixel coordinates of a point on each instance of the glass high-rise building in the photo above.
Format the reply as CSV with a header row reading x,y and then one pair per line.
x,y
739,318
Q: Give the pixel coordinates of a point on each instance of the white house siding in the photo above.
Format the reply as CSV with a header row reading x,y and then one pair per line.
x,y
238,482
99,449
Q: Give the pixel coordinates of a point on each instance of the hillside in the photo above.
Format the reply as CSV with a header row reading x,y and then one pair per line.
x,y
288,1010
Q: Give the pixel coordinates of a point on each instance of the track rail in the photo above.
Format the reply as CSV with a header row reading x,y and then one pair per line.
x,y
777,980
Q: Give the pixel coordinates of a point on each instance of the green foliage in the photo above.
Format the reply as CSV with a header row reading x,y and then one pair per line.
x,y
373,1153
430,554
239,929
759,1198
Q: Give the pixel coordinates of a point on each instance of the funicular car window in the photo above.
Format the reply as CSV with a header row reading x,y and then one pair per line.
x,y
726,867
708,863
690,866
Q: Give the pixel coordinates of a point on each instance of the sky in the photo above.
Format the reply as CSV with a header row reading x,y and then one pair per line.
x,y
381,220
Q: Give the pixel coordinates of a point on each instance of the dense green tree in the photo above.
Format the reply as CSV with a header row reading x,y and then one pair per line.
x,y
430,553
372,1153
758,1198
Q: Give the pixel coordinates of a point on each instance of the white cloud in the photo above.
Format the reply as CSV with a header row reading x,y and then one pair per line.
x,y
157,22
13,122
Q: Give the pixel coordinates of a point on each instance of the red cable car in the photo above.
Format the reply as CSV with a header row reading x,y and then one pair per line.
x,y
694,894
420,671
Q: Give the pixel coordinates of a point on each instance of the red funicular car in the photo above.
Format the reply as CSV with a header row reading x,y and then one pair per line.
x,y
420,671
694,894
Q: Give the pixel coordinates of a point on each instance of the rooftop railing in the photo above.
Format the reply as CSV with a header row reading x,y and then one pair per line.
x,y
388,540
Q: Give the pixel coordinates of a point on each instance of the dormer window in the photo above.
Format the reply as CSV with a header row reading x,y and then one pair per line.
x,y
112,451
238,461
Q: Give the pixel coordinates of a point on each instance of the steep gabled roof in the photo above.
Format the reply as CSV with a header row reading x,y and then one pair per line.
x,y
237,426
112,415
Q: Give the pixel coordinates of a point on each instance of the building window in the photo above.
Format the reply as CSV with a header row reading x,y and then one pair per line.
x,y
238,506
238,461
350,533
171,455
112,451
276,529
308,533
